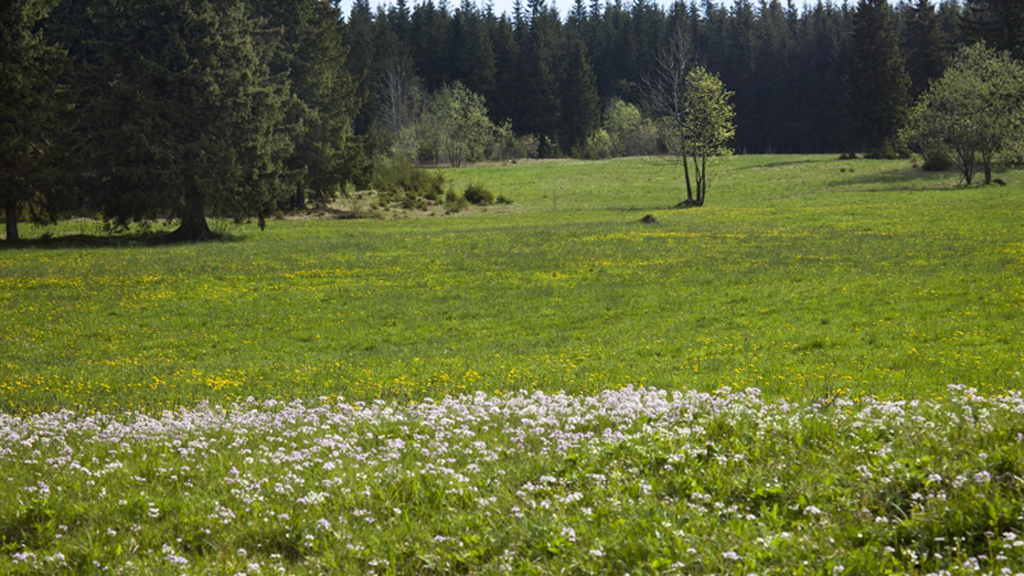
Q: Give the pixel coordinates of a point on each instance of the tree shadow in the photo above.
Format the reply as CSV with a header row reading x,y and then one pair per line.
x,y
132,240
771,163
897,180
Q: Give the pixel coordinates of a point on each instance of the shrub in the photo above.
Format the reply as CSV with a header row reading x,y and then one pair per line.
x,y
936,159
476,194
454,203
395,178
526,146
598,145
630,133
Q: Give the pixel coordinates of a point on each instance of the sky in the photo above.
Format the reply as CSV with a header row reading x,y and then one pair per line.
x,y
505,6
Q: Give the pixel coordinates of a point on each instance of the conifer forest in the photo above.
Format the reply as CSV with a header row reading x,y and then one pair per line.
x,y
239,109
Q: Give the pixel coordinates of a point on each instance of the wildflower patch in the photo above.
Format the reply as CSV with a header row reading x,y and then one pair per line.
x,y
636,479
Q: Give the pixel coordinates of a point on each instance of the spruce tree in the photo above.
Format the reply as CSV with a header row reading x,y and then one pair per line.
x,y
999,23
311,54
361,60
429,44
820,69
536,108
474,62
503,40
878,99
926,47
769,125
581,107
182,117
33,116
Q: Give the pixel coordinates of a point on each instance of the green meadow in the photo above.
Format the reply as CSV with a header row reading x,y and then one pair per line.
x,y
803,276
816,373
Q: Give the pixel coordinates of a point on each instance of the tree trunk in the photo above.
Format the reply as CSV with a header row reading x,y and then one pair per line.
x,y
299,200
11,211
700,179
703,179
193,226
689,189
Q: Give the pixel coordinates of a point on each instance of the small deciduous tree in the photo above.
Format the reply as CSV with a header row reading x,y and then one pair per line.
x,y
456,125
706,129
975,110
400,102
631,134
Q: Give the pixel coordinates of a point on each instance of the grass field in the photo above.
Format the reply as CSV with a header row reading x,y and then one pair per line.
x,y
815,373
804,277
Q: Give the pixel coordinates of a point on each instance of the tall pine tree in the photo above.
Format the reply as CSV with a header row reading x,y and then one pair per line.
x,y
878,98
182,117
33,120
581,107
1000,23
926,48
311,54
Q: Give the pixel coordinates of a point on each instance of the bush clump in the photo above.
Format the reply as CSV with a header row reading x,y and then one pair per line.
x,y
454,203
396,179
936,159
478,195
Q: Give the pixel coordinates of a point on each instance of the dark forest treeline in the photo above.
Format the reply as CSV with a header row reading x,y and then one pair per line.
x,y
181,109
787,67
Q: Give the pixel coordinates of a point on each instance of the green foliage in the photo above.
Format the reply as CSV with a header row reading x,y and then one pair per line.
x,y
973,112
477,194
706,128
311,54
998,23
629,132
598,146
395,178
33,117
580,104
878,97
183,118
455,126
927,47
936,158
454,202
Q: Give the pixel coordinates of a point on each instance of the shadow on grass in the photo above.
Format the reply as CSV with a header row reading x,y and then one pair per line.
x,y
897,180
141,239
778,163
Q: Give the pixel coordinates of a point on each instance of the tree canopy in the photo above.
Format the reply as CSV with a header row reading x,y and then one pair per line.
x,y
455,125
182,109
235,108
879,85
183,117
975,110
706,129
33,115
